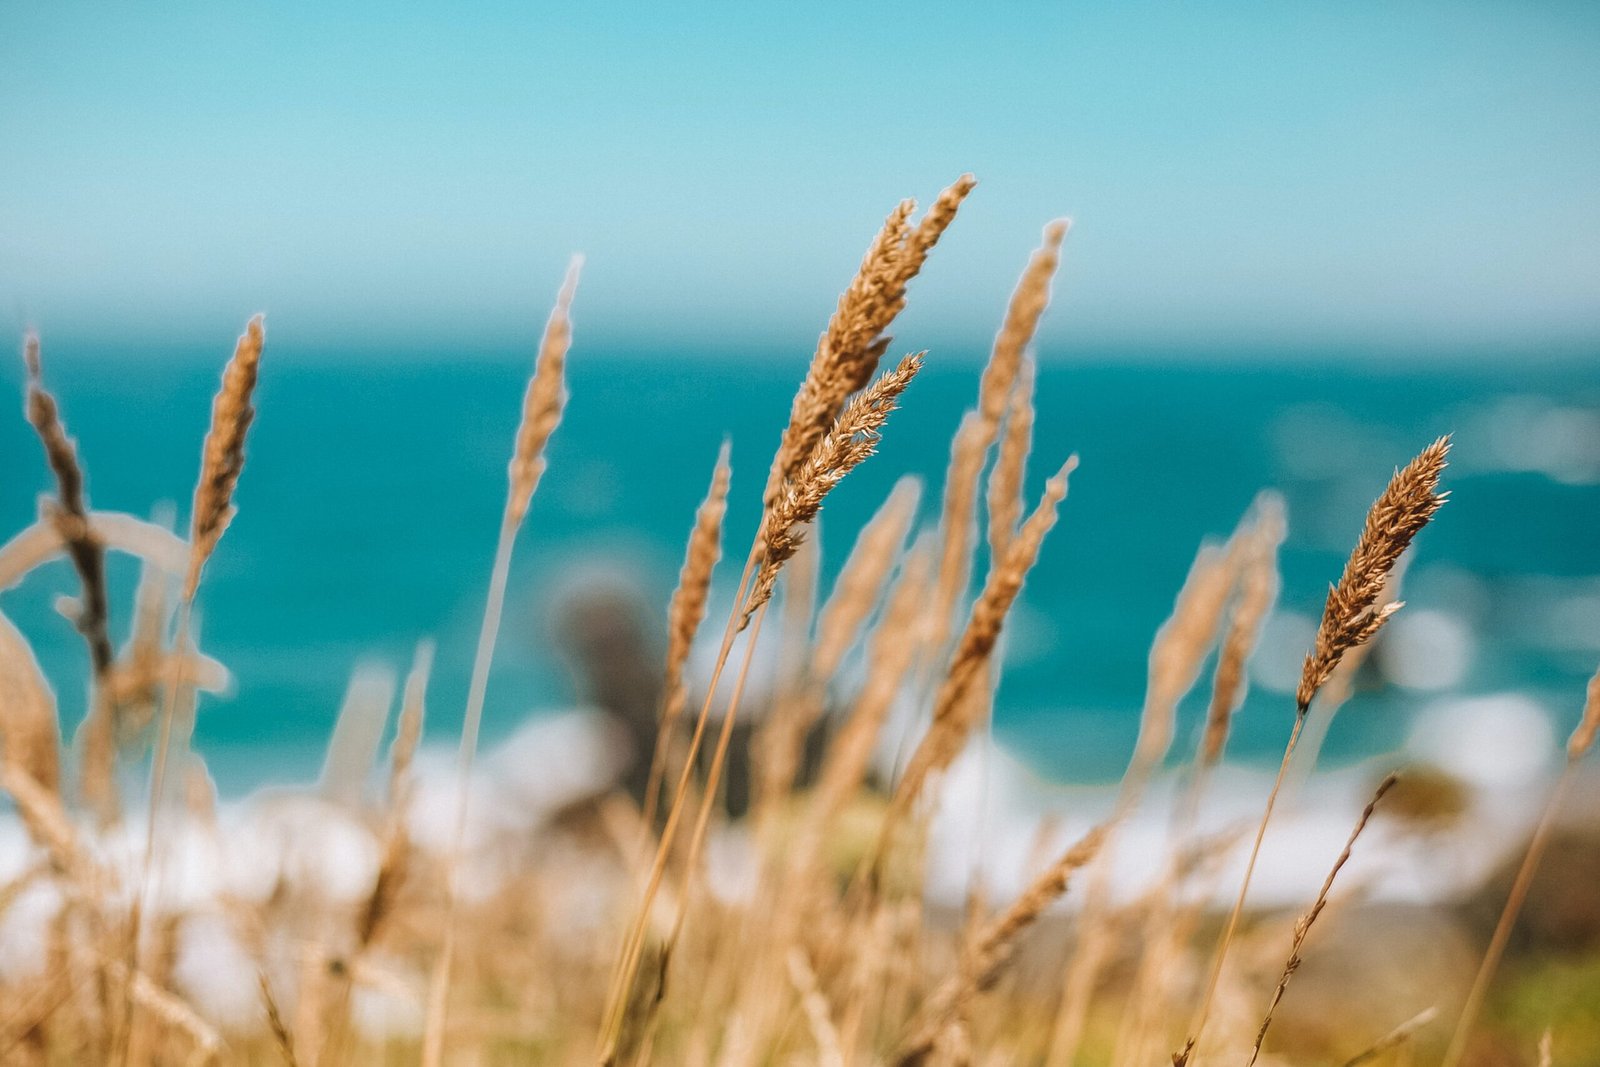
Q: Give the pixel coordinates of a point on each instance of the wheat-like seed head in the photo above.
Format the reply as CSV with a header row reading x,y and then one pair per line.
x,y
979,430
29,735
1180,648
855,591
993,949
687,609
1352,615
892,651
935,222
70,513
544,401
408,731
1258,588
223,455
1021,322
60,451
1588,726
853,437
952,722
849,350
1011,464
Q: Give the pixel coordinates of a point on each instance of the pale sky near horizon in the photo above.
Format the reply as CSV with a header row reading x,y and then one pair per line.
x,y
1273,173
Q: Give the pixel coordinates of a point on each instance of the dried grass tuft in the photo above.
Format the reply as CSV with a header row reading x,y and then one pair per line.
x,y
952,723
1352,615
223,457
1258,589
848,352
29,736
685,613
544,401
1303,925
853,437
992,949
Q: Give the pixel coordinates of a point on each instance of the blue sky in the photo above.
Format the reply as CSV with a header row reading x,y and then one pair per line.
x,y
1276,173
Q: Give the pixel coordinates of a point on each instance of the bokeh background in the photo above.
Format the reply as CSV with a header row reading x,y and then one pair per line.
x,y
1307,239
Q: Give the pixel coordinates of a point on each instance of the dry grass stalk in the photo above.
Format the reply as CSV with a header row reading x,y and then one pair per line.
x,y
782,740
282,1040
544,401
542,406
1303,925
978,432
408,731
853,437
969,450
848,352
45,818
1021,322
29,737
856,590
223,457
172,1010
1352,615
221,462
395,860
1258,590
69,514
1350,618
1578,745
993,949
819,1016
1179,649
1011,464
951,727
1253,559
1394,1038
893,651
685,612
71,517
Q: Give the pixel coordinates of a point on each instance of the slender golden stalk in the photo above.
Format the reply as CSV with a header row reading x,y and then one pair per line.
x,y
1350,618
1352,615
221,462
1253,553
69,514
29,736
1011,464
1180,647
952,723
993,949
827,430
395,859
1578,745
848,443
1303,925
853,437
685,613
1396,1037
978,431
848,352
783,736
856,590
541,413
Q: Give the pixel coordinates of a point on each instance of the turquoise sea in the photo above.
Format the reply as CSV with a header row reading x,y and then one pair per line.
x,y
369,503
